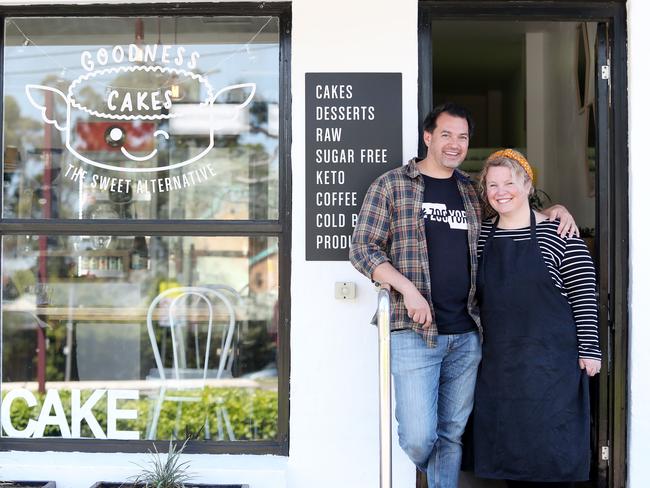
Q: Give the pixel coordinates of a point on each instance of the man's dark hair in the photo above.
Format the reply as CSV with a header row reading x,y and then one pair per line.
x,y
450,108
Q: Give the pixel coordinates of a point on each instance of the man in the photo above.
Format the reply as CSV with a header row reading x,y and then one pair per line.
x,y
417,232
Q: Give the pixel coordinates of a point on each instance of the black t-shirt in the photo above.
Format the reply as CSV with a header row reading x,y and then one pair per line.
x,y
445,223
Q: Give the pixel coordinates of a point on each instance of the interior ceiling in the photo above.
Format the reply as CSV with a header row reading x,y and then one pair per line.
x,y
488,64
485,54
491,29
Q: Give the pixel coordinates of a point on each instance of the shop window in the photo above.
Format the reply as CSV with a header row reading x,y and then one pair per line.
x,y
168,329
148,118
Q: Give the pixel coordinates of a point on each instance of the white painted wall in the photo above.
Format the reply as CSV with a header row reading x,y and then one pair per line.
x,y
566,126
81,470
639,108
556,129
536,106
334,397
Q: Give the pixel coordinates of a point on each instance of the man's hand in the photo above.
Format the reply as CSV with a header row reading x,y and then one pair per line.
x,y
417,307
591,366
567,222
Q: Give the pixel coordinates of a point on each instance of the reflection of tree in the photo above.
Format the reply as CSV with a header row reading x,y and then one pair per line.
x,y
35,142
255,179
259,112
21,280
88,97
246,184
16,127
23,179
59,105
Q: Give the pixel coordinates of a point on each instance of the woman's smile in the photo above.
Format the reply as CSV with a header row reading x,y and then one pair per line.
x,y
505,192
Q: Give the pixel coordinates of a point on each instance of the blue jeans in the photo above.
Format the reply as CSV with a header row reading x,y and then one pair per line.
x,y
434,394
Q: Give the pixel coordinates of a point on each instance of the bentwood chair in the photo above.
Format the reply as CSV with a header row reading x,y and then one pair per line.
x,y
180,379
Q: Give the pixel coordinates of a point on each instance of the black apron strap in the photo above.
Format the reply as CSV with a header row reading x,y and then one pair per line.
x,y
533,227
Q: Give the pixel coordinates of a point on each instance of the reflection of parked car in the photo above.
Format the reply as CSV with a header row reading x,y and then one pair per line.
x,y
92,137
269,371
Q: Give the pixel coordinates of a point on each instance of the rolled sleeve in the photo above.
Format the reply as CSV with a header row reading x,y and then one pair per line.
x,y
371,235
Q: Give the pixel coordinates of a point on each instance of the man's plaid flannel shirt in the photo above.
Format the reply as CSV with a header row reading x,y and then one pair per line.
x,y
390,229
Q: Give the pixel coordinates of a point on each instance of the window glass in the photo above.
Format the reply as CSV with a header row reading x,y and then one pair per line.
x,y
141,118
140,337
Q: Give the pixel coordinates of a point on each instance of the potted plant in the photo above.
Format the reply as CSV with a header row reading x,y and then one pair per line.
x,y
539,199
163,471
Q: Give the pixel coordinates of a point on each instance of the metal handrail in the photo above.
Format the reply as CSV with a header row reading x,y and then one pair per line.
x,y
385,404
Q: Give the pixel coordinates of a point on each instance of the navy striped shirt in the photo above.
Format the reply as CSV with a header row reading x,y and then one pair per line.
x,y
572,269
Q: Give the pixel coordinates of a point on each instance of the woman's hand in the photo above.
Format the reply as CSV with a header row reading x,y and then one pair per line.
x,y
591,366
417,307
567,222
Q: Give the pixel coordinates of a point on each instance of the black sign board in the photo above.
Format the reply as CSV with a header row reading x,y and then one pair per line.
x,y
353,135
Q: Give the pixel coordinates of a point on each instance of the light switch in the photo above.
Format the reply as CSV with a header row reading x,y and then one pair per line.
x,y
345,290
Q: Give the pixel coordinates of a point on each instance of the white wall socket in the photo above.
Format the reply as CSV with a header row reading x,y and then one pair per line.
x,y
345,290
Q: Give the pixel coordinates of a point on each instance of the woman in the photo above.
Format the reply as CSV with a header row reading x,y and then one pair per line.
x,y
537,298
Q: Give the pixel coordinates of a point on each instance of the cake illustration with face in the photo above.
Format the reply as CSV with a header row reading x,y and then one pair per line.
x,y
138,112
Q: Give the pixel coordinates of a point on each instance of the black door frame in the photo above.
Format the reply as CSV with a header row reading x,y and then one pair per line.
x,y
612,175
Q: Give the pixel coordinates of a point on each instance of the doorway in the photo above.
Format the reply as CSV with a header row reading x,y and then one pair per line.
x,y
547,78
527,88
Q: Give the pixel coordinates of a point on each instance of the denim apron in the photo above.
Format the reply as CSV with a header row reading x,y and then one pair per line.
x,y
531,415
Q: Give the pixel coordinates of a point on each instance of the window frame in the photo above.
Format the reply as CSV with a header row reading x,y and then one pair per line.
x,y
279,228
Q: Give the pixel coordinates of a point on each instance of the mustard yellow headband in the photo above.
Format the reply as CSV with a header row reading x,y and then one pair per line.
x,y
515,156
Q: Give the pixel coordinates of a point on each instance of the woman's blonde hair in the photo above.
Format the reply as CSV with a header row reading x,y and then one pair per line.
x,y
517,170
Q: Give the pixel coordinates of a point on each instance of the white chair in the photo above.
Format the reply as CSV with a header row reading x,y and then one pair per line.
x,y
173,379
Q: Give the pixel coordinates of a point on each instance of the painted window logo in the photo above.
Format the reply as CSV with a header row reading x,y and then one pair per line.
x,y
137,114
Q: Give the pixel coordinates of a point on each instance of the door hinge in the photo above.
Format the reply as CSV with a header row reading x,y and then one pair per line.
x,y
604,72
604,453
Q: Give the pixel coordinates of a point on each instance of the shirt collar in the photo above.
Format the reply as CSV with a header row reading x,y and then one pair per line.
x,y
412,171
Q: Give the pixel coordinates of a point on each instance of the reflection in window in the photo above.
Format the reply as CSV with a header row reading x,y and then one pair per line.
x,y
150,118
140,337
